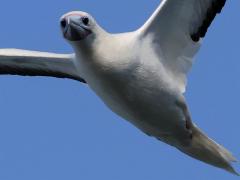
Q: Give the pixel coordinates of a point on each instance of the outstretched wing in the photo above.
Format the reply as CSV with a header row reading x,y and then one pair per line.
x,y
33,63
177,27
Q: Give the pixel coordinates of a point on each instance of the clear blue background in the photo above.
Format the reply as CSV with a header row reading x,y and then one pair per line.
x,y
58,129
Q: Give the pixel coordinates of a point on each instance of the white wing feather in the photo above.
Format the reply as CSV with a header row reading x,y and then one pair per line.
x,y
34,63
177,27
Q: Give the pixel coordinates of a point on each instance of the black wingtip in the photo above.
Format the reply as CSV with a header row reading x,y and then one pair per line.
x,y
215,8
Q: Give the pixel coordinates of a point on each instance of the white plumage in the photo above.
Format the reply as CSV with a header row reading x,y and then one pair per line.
x,y
139,75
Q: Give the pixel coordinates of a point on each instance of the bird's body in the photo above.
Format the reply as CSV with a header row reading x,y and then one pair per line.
x,y
140,75
122,82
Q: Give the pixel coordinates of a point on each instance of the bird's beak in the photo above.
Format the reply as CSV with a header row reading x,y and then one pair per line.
x,y
72,27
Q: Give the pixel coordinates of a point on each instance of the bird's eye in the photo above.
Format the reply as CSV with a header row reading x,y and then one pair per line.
x,y
85,20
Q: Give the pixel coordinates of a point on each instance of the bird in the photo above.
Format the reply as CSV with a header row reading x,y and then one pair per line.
x,y
140,75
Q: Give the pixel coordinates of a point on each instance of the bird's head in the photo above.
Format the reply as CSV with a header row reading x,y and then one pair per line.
x,y
78,27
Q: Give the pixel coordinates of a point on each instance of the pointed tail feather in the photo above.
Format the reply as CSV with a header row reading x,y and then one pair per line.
x,y
208,151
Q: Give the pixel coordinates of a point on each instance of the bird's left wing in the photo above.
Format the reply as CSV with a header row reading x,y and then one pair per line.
x,y
176,29
34,63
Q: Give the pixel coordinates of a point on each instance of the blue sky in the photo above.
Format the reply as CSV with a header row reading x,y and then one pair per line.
x,y
58,129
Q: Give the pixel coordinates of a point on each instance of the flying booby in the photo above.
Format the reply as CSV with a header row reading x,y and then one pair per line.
x,y
139,75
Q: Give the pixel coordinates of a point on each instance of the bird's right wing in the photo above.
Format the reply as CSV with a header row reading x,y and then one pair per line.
x,y
34,63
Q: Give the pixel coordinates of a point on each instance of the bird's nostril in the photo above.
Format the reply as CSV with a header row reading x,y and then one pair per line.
x,y
63,23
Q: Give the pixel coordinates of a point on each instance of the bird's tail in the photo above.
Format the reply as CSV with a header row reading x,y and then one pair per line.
x,y
208,151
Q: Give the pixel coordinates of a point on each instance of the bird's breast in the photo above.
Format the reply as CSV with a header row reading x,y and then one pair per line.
x,y
135,92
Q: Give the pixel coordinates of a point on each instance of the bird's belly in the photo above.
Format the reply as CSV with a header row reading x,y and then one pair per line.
x,y
138,92
150,108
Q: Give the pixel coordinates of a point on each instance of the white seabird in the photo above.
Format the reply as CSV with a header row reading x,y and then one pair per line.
x,y
140,75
